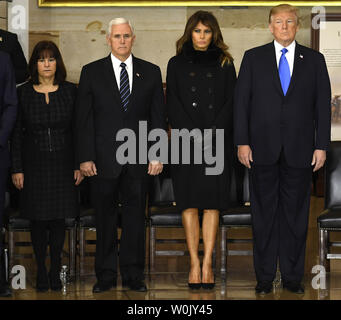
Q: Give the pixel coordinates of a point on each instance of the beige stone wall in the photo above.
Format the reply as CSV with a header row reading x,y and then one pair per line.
x,y
3,15
80,32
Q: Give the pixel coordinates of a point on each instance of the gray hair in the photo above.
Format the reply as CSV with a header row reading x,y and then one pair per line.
x,y
117,21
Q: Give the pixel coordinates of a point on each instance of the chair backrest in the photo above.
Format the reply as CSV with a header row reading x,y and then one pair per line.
x,y
332,190
161,189
239,193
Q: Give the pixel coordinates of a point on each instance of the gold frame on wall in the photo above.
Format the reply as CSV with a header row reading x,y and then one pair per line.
x,y
169,3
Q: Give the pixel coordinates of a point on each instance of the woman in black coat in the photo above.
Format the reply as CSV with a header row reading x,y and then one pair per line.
x,y
43,161
200,85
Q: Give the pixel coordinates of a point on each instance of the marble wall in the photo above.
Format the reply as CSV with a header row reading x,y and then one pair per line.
x,y
3,15
80,32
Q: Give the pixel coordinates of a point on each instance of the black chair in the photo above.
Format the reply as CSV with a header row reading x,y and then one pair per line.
x,y
330,218
15,223
237,216
87,222
163,213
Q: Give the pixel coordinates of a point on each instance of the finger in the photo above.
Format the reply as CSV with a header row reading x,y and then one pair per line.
x,y
94,169
313,160
250,156
246,162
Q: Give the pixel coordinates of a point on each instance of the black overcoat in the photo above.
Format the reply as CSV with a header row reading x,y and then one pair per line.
x,y
200,95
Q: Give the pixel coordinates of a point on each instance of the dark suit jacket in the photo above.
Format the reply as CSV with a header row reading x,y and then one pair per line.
x,y
268,121
8,106
100,115
9,43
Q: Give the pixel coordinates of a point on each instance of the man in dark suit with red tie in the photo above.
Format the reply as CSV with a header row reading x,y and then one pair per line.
x,y
8,112
115,93
282,130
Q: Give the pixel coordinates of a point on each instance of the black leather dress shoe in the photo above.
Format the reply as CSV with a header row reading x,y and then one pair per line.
x,y
264,287
137,285
295,287
101,287
5,291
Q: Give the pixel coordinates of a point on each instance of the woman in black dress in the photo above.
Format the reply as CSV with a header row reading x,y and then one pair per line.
x,y
200,85
43,161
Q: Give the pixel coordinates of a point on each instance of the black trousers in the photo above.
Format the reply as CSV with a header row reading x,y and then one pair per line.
x,y
3,182
280,200
132,242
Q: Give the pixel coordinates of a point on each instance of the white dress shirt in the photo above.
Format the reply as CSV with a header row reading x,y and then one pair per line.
x,y
116,63
290,55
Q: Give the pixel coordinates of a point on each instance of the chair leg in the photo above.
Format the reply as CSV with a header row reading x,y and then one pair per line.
x,y
72,253
323,235
152,248
214,257
223,254
11,248
81,251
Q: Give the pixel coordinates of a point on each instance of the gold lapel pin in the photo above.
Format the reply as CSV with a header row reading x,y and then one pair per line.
x,y
0,39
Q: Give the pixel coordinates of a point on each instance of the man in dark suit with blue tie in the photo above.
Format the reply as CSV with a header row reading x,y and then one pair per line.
x,y
8,112
115,93
282,130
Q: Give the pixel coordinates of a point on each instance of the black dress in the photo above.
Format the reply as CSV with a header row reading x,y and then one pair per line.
x,y
42,149
200,95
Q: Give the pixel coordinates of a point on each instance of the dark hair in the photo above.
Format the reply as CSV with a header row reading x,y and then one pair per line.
x,y
46,49
209,20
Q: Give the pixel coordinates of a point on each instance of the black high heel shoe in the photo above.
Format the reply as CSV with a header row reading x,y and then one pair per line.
x,y
208,286
194,286
42,284
55,282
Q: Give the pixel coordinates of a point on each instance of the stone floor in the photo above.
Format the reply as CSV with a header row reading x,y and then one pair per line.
x,y
170,280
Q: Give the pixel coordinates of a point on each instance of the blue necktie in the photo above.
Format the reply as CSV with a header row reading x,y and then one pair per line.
x,y
124,86
284,71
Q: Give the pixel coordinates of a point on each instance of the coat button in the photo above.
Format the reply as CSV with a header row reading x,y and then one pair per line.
x,y
209,75
192,74
210,106
193,89
194,104
210,90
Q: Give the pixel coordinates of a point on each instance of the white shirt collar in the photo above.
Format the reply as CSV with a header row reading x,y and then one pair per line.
x,y
290,47
117,62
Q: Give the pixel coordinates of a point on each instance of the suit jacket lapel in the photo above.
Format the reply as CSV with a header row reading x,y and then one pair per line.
x,y
298,62
274,67
110,79
136,85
